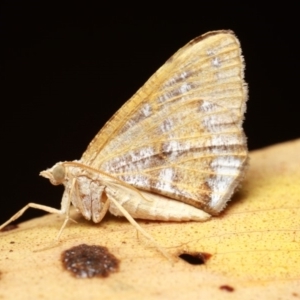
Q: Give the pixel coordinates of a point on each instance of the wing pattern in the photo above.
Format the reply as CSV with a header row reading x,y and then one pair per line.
x,y
181,134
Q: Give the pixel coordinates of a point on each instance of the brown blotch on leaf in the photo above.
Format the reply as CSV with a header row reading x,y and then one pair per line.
x,y
226,288
195,258
295,294
87,261
9,227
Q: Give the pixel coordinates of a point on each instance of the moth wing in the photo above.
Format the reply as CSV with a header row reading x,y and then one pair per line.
x,y
181,134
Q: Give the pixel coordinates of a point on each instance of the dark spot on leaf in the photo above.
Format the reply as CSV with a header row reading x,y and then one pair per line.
x,y
9,227
295,294
226,288
87,261
195,258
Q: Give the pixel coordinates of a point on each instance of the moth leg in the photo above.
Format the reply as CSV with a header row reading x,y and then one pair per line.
x,y
65,208
67,218
139,228
98,218
48,209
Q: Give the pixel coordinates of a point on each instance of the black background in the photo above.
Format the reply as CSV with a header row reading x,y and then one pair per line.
x,y
67,68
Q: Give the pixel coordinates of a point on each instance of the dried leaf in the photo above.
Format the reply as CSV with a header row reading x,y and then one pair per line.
x,y
254,247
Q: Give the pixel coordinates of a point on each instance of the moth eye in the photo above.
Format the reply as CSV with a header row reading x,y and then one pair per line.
x,y
58,173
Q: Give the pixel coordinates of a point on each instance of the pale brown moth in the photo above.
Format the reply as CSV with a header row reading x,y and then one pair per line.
x,y
176,151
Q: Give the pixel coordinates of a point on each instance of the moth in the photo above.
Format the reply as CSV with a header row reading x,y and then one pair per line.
x,y
176,151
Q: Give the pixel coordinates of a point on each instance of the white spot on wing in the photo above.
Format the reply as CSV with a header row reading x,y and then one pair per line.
x,y
219,140
164,180
206,106
146,110
226,170
136,180
210,52
183,75
166,125
226,165
184,88
216,62
143,153
171,146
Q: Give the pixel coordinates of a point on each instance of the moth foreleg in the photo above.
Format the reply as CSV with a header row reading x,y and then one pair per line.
x,y
65,206
16,216
100,211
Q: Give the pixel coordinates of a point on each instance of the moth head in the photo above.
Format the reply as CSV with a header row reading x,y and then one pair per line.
x,y
56,174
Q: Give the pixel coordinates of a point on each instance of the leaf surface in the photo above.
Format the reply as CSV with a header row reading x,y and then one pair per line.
x,y
254,246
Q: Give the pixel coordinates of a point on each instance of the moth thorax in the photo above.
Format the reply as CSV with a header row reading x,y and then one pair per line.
x,y
58,173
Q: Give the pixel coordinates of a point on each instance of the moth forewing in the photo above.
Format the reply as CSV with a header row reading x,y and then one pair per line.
x,y
181,134
175,151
